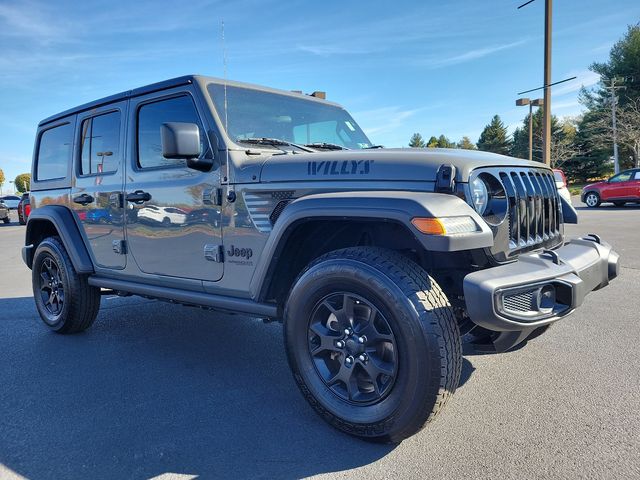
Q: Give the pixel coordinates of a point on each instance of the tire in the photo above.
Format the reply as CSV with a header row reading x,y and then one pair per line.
x,y
619,204
22,221
416,341
592,200
166,222
75,306
6,220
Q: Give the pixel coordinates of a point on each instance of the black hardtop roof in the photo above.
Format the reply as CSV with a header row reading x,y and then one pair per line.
x,y
154,87
173,82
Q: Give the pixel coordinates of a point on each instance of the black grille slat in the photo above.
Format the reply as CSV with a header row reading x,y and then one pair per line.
x,y
523,228
533,202
511,195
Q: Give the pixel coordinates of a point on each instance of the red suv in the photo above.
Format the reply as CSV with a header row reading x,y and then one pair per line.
x,y
619,189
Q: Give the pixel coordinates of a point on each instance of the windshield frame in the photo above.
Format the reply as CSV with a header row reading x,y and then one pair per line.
x,y
223,117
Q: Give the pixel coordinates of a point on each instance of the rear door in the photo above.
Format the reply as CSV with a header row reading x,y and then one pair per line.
x,y
173,220
96,195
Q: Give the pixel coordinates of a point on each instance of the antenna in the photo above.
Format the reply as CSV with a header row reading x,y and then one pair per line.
x,y
226,118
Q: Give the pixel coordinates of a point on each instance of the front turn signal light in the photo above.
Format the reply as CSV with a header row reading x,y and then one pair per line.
x,y
430,226
445,225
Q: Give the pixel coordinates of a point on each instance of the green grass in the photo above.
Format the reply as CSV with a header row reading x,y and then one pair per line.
x,y
576,188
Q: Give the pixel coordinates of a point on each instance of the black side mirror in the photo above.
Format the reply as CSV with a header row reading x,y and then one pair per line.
x,y
182,141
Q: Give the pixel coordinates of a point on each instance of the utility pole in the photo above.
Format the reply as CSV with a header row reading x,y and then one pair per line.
x,y
614,103
546,123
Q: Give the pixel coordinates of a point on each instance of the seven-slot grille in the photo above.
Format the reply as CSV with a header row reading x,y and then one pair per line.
x,y
533,206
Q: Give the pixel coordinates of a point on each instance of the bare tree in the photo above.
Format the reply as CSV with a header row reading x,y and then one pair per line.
x,y
628,129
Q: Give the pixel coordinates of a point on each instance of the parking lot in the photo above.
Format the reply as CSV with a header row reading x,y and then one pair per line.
x,y
154,389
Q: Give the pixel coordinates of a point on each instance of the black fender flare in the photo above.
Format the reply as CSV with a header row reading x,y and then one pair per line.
x,y
389,206
65,224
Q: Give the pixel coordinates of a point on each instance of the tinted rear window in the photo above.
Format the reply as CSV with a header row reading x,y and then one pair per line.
x,y
100,143
54,152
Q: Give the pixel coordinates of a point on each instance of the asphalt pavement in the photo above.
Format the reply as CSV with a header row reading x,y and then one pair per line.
x,y
155,390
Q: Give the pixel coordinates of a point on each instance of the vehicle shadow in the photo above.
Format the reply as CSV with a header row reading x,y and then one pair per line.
x,y
154,388
629,206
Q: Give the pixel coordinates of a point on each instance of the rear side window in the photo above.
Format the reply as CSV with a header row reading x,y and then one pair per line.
x,y
151,116
54,152
100,144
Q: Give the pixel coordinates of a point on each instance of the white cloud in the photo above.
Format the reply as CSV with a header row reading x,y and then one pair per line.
x,y
585,78
32,21
438,62
384,120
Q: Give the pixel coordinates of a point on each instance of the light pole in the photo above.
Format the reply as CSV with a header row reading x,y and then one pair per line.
x,y
546,124
537,102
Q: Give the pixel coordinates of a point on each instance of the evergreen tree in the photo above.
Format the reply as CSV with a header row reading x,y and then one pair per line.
x,y
433,142
443,142
520,144
494,138
416,141
466,144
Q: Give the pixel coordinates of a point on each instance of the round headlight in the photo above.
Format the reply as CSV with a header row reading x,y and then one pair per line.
x,y
479,195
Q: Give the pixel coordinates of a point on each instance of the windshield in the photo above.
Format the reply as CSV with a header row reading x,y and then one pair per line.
x,y
255,114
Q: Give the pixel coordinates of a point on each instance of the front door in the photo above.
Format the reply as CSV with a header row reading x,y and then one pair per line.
x,y
173,220
618,187
97,193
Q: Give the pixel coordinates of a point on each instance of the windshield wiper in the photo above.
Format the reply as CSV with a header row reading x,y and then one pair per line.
x,y
325,146
276,142
373,146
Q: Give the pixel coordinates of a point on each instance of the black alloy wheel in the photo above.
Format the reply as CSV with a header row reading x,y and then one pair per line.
x,y
353,348
51,287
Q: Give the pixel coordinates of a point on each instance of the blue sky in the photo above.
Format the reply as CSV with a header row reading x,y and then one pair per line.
x,y
399,67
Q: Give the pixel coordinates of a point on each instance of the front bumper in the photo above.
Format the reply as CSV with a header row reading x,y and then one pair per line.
x,y
539,288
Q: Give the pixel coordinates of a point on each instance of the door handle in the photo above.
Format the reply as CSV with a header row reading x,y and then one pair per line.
x,y
83,199
138,197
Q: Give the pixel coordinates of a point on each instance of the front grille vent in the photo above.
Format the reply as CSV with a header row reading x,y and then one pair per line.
x,y
534,215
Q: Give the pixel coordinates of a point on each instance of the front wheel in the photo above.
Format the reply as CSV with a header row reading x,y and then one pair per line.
x,y
372,342
592,199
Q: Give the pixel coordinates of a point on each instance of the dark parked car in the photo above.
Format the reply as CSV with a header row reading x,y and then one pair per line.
x,y
619,189
24,209
4,212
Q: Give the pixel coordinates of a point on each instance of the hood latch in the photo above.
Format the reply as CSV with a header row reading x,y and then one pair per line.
x,y
446,179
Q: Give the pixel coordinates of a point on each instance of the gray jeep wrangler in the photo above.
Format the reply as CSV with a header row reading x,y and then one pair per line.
x,y
275,204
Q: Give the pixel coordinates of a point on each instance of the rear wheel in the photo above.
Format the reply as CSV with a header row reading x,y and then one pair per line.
x,y
6,220
65,301
592,199
372,342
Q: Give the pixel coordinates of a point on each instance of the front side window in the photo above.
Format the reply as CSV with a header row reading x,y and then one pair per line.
x,y
151,116
256,114
100,144
54,152
621,177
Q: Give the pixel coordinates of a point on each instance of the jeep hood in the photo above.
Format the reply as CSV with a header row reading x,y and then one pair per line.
x,y
402,164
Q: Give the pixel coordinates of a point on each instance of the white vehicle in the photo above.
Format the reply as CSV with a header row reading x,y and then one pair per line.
x,y
561,184
164,215
11,201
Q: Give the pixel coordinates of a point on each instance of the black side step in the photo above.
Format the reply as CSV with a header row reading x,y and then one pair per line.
x,y
217,302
